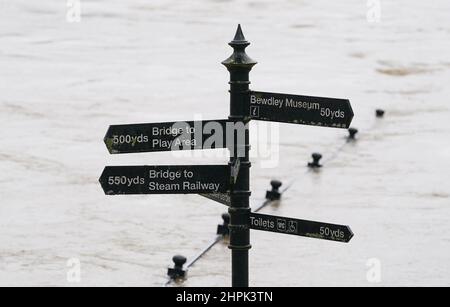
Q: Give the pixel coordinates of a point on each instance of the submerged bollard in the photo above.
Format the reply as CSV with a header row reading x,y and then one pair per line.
x,y
352,133
223,229
274,194
177,271
316,158
379,113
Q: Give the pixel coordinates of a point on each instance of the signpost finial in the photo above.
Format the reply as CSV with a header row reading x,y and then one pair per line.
x,y
239,36
239,58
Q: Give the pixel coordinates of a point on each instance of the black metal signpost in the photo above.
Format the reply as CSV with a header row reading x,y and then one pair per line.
x,y
239,66
226,184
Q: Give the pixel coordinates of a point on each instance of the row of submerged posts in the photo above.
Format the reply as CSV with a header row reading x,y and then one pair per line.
x,y
228,184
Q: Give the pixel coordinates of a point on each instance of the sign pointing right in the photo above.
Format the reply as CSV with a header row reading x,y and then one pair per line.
x,y
304,110
310,229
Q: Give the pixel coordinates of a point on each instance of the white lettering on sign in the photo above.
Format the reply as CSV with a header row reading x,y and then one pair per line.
x,y
124,180
288,102
327,232
185,186
178,180
129,139
326,112
175,130
294,104
156,186
164,174
174,144
302,104
272,101
201,186
260,222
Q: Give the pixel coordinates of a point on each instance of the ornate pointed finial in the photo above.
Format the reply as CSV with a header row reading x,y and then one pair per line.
x,y
239,58
239,38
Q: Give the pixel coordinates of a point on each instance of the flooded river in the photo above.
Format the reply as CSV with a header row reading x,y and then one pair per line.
x,y
63,83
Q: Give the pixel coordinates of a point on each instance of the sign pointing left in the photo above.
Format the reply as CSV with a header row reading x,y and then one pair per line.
x,y
163,179
168,136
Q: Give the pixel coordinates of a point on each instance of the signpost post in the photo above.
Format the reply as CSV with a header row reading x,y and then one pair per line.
x,y
239,66
226,184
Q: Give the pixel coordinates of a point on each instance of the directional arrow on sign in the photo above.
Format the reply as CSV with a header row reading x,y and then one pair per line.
x,y
163,179
310,229
166,136
305,110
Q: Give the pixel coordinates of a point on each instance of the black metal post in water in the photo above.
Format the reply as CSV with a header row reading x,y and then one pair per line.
x,y
239,66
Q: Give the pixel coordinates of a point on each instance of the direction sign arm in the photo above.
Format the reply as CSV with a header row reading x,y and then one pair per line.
x,y
300,109
304,228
